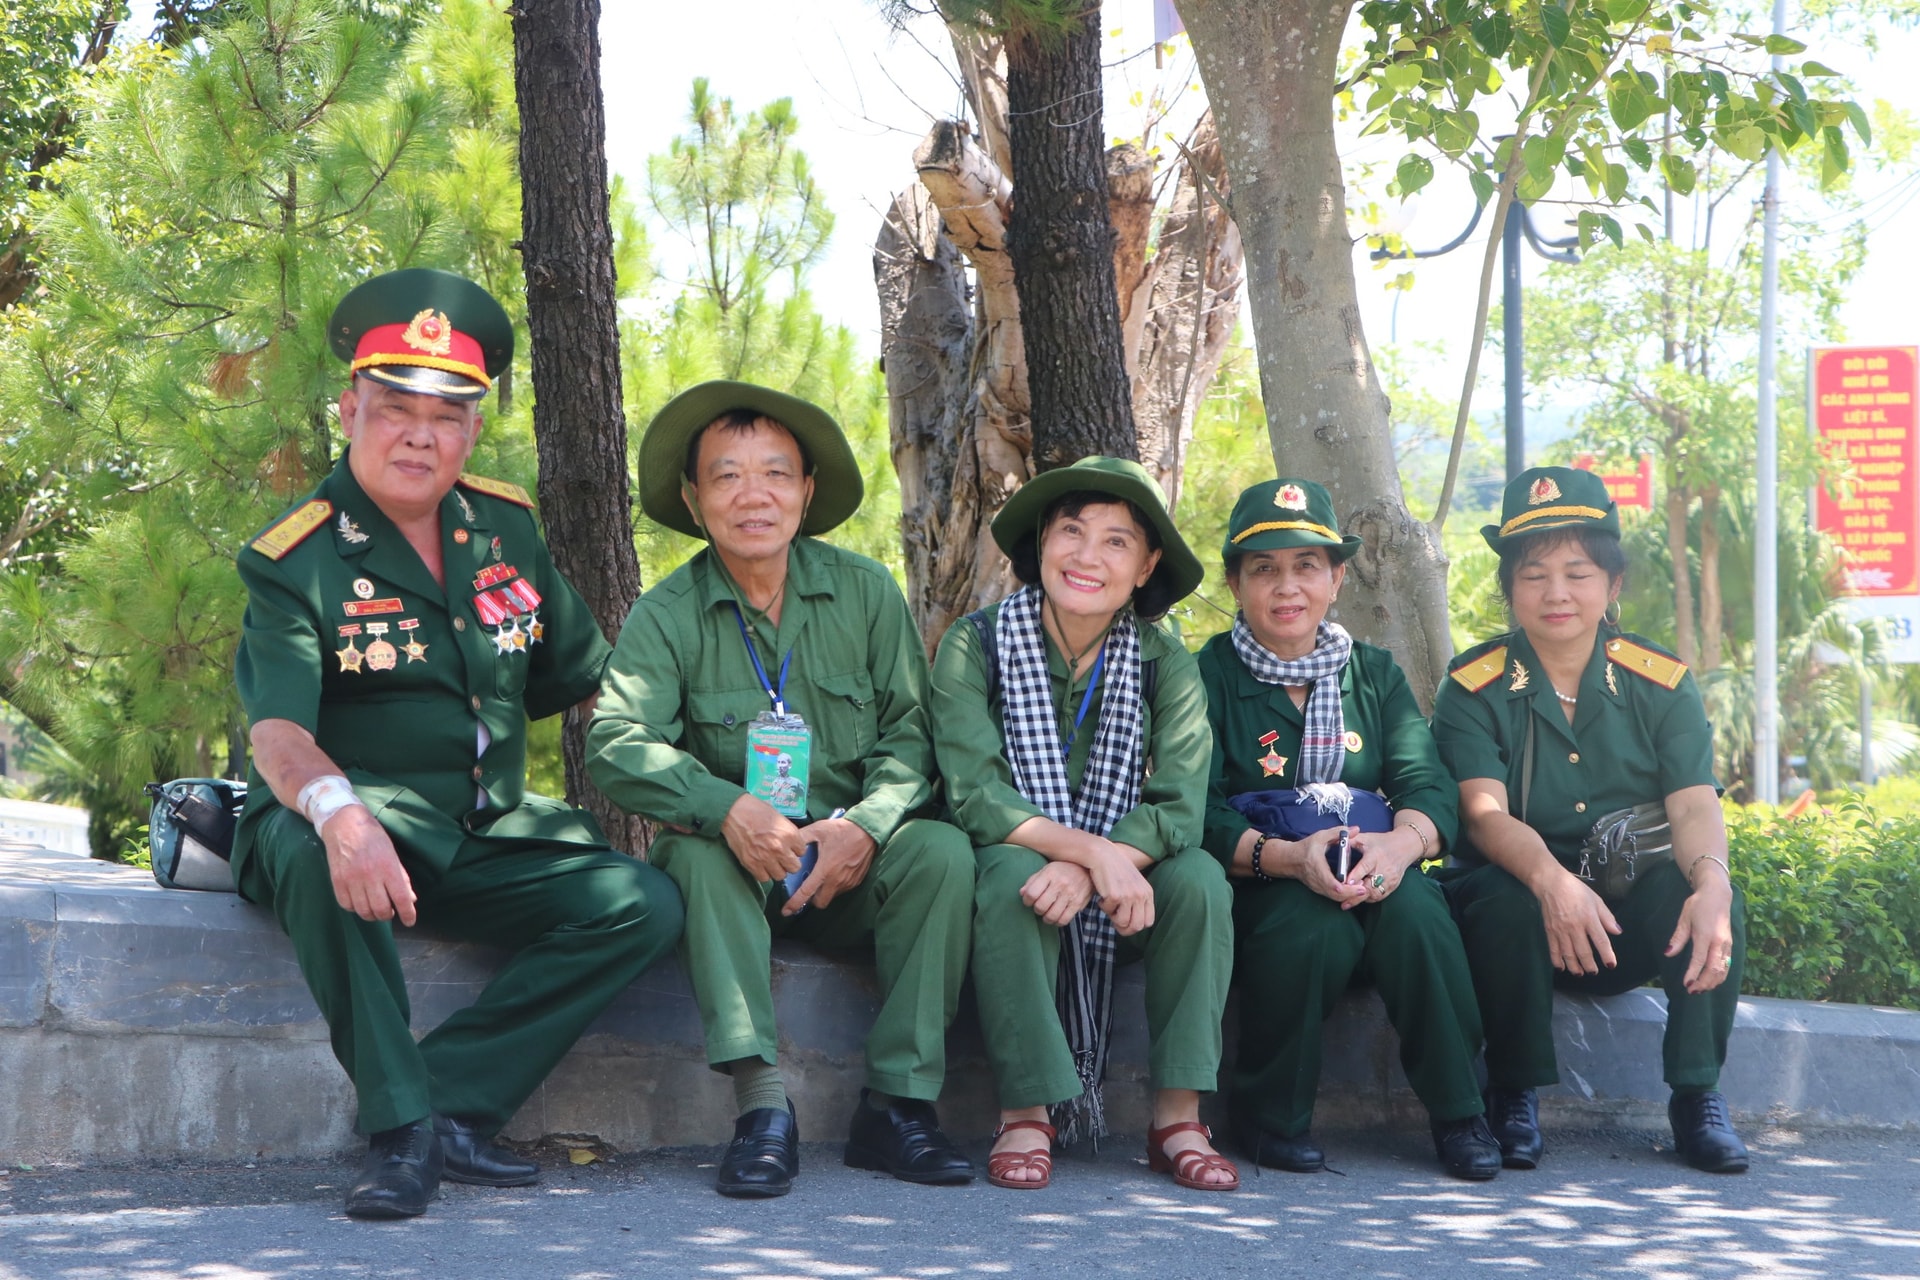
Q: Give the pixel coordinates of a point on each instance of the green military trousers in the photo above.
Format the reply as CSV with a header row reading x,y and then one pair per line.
x,y
1296,952
1016,965
912,908
1507,948
582,923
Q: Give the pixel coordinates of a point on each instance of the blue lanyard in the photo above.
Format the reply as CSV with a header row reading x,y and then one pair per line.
x,y
776,694
1086,700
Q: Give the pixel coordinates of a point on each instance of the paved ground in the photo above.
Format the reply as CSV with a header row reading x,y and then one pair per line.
x,y
1605,1204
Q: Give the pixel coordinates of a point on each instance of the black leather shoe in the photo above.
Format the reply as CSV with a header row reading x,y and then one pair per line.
x,y
764,1157
1296,1154
470,1157
1467,1148
905,1141
1514,1117
1703,1132
400,1176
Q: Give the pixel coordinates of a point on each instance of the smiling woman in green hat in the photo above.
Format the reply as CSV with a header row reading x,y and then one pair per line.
x,y
1048,707
1591,819
765,703
1326,794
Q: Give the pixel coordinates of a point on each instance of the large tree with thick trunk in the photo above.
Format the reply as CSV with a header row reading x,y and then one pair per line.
x,y
579,427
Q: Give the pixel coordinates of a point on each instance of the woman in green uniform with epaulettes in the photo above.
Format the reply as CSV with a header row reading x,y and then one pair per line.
x,y
1590,819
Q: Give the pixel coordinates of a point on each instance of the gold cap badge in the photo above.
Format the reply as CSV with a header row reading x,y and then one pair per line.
x,y
431,332
1290,495
1544,490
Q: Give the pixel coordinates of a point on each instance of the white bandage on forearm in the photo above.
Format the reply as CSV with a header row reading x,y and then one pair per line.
x,y
324,797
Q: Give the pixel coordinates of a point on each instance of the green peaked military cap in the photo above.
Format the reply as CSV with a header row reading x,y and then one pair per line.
x,y
1275,515
837,483
423,330
1119,478
1552,498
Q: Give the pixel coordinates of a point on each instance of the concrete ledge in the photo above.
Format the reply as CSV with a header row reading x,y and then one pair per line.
x,y
139,1022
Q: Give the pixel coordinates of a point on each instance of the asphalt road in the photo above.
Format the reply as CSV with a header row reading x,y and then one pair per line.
x,y
1613,1203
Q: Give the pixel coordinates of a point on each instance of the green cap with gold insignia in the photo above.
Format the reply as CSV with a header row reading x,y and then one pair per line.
x,y
423,330
1115,477
1552,498
1277,514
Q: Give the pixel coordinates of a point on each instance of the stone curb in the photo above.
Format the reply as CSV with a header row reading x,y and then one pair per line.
x,y
144,1023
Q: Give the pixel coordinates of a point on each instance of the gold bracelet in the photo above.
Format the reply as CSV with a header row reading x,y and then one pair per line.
x,y
1421,832
1707,857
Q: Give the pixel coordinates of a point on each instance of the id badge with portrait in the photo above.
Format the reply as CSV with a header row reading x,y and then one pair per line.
x,y
779,751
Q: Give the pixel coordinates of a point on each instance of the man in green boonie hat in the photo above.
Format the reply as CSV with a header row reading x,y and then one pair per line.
x,y
404,622
765,704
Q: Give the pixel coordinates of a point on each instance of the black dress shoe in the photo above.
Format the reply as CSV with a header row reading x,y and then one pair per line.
x,y
470,1157
1467,1148
1296,1154
905,1141
1703,1132
400,1176
1514,1117
764,1156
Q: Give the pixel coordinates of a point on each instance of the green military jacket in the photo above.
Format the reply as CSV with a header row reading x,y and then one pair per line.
x,y
1639,732
347,635
1257,730
669,740
971,744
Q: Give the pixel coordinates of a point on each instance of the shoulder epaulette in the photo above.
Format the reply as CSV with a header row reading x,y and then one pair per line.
x,y
496,489
1482,671
1648,664
294,529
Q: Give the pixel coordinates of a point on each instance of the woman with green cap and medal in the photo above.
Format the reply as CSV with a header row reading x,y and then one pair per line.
x,y
1071,729
1591,821
1325,796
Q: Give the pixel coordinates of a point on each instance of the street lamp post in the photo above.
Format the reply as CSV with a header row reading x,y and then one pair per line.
x,y
1511,327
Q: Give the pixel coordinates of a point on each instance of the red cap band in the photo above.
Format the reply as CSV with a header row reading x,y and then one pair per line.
x,y
428,341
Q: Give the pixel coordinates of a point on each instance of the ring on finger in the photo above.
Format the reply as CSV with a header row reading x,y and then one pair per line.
x,y
1378,881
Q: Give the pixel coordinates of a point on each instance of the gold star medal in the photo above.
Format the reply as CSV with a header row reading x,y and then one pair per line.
x,y
415,651
536,629
1273,764
504,634
350,657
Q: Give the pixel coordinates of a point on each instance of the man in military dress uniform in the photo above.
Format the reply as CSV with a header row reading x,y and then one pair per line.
x,y
769,644
404,622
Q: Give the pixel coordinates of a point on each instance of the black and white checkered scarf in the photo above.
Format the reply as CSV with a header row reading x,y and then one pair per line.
x,y
1323,741
1109,789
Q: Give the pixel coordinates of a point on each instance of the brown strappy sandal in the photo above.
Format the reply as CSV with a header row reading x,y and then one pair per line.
x,y
1005,1162
1187,1166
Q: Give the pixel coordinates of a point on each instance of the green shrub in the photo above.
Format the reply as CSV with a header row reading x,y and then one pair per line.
x,y
1833,903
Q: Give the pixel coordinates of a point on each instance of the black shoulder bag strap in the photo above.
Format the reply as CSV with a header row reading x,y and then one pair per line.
x,y
1526,767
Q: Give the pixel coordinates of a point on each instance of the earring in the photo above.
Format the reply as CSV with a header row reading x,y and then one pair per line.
x,y
1612,615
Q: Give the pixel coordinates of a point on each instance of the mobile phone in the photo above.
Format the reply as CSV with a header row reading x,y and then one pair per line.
x,y
808,856
1340,855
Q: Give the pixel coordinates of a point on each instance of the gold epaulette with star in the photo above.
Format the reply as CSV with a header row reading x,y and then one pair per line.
x,y
294,529
1482,671
496,489
1648,664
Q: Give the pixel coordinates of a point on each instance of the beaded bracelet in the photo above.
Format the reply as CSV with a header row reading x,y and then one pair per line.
x,y
1259,841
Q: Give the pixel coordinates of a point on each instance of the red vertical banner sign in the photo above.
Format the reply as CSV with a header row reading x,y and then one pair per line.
x,y
1864,416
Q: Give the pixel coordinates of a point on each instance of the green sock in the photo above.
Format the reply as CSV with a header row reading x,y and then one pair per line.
x,y
757,1084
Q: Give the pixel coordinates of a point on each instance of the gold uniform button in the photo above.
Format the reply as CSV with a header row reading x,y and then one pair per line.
x,y
1579,806
476,773
1573,757
459,624
476,703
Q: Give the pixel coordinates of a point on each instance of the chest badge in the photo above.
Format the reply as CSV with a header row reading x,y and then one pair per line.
x,y
363,587
381,655
1352,741
413,648
1273,764
351,656
460,536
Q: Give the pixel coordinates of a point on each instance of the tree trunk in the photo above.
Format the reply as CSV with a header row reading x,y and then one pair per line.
x,y
1270,69
1712,625
579,428
1685,642
1061,241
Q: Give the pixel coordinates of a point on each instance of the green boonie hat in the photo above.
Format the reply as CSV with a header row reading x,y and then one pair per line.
x,y
1552,498
837,484
1121,479
1277,514
423,330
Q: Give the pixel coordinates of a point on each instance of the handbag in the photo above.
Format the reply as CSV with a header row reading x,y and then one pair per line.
x,y
190,832
1621,845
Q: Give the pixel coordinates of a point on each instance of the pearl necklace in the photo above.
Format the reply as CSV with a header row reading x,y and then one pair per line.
x,y
1567,698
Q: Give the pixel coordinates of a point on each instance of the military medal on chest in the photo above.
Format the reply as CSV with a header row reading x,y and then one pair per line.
x,y
510,605
350,657
415,651
381,655
1273,764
